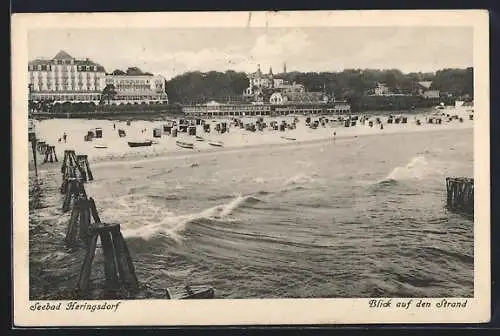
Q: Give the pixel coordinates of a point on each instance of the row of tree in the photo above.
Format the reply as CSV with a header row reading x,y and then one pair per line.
x,y
132,71
200,86
350,84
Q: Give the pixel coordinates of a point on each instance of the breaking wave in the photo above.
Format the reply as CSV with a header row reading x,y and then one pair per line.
x,y
172,226
417,168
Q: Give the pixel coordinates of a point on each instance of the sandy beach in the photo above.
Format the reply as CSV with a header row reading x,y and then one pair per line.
x,y
117,149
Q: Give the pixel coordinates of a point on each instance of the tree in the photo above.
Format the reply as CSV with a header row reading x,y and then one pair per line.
x,y
108,93
118,72
458,82
350,84
197,87
134,71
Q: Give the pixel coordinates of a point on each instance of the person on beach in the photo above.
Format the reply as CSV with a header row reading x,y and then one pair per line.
x,y
64,137
114,126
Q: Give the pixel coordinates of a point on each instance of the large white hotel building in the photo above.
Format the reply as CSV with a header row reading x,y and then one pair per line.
x,y
67,79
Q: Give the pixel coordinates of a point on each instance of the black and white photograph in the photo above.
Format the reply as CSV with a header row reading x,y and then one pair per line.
x,y
242,157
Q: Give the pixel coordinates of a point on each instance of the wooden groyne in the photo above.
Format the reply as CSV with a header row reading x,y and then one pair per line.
x,y
119,269
85,229
460,194
48,151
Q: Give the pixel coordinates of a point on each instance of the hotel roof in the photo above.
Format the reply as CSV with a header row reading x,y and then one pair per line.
x,y
64,56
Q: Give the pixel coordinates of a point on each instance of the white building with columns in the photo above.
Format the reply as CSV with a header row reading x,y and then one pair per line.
x,y
65,78
138,88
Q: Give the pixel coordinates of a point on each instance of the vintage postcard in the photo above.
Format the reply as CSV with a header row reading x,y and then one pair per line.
x,y
248,168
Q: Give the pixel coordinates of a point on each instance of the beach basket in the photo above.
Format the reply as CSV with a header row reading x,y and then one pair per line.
x,y
167,129
98,132
156,133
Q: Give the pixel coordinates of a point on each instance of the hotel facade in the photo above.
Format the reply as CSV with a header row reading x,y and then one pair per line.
x,y
65,78
68,79
138,88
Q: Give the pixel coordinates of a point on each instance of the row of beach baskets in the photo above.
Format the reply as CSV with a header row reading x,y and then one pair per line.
x,y
93,134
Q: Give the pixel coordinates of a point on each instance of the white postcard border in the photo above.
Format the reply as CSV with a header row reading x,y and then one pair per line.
x,y
260,311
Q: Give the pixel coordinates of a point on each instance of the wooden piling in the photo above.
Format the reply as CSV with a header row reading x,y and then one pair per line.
x,y
53,149
119,270
50,153
460,194
70,160
39,147
83,161
79,222
74,190
33,150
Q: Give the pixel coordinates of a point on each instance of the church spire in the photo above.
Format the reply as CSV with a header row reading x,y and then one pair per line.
x,y
270,71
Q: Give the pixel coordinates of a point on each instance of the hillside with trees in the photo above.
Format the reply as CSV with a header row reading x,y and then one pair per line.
x,y
455,81
353,85
196,86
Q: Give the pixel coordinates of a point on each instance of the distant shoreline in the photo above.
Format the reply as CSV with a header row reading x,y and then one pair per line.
x,y
158,116
173,153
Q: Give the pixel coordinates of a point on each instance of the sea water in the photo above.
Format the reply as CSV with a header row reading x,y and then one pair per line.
x,y
355,217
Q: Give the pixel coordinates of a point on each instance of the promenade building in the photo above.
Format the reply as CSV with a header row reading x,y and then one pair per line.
x,y
280,98
215,109
312,108
137,89
65,78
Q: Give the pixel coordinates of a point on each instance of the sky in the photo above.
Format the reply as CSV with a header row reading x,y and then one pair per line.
x,y
173,51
